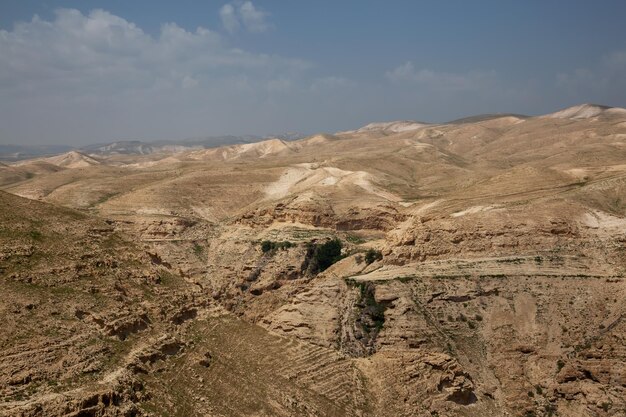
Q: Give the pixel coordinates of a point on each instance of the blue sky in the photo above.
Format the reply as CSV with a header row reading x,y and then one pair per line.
x,y
78,72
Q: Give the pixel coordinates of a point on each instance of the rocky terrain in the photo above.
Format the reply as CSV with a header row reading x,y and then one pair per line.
x,y
474,268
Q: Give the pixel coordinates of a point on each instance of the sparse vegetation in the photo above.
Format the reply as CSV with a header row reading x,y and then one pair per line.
x,y
373,255
550,409
36,235
269,246
354,239
320,256
371,313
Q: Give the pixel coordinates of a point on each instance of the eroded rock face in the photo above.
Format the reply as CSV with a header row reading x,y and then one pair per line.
x,y
320,213
86,304
499,232
486,341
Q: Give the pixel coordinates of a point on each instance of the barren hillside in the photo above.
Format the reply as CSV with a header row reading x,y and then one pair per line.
x,y
481,272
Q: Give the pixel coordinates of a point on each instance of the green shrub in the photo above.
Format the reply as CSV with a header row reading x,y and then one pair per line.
x,y
320,256
372,313
373,255
268,245
284,245
328,253
36,235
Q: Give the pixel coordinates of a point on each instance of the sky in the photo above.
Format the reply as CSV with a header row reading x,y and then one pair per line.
x,y
81,72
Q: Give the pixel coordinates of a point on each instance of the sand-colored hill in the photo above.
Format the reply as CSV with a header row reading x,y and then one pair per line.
x,y
11,174
73,159
482,274
389,127
255,150
318,139
582,111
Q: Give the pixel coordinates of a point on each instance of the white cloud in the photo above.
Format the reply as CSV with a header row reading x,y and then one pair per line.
x,y
82,73
253,19
189,82
442,81
603,83
81,52
229,18
85,78
237,14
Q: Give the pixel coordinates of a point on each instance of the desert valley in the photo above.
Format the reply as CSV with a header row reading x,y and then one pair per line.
x,y
470,268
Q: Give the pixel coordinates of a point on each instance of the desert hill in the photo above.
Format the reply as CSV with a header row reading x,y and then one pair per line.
x,y
10,174
582,111
389,127
481,272
487,117
73,159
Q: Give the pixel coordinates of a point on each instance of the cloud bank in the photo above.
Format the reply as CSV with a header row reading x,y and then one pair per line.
x,y
442,81
95,77
101,75
606,80
237,15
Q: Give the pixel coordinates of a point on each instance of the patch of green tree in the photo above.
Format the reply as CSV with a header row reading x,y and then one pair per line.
x,y
320,256
373,255
268,245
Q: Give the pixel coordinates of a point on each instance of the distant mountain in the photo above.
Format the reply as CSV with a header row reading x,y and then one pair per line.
x,y
582,111
390,127
73,159
135,147
19,152
130,147
485,117
289,136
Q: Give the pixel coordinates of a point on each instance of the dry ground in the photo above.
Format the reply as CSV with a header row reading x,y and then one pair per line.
x,y
136,285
